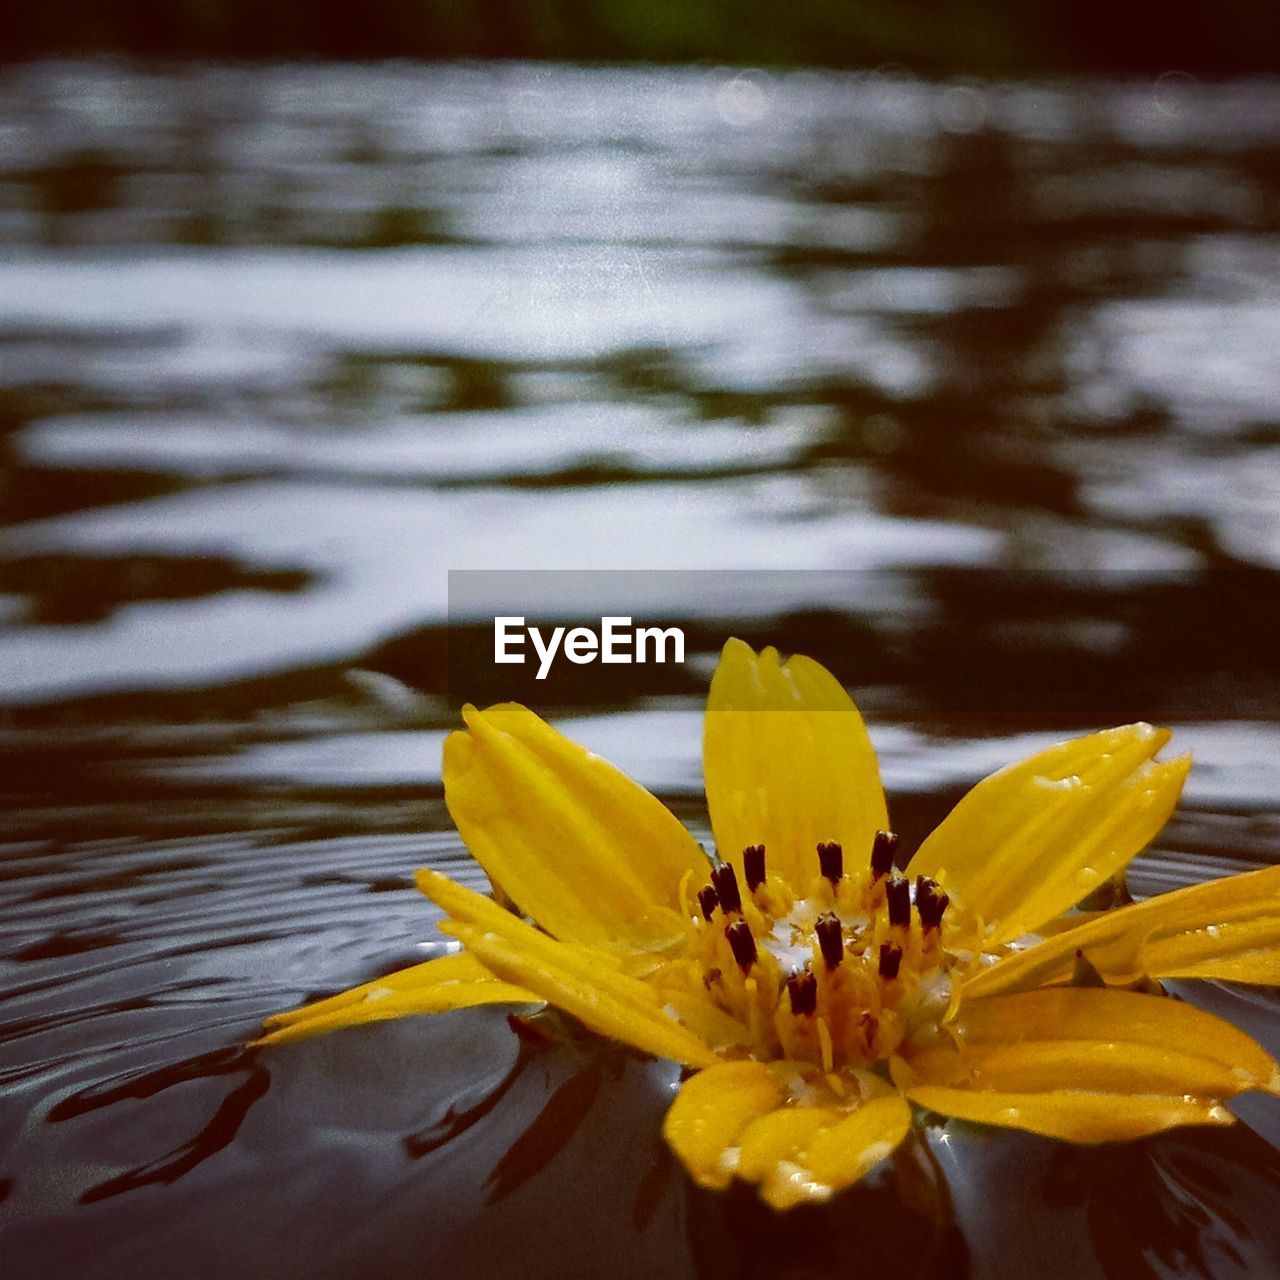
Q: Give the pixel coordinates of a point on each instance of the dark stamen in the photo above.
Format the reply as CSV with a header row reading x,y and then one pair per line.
x,y
803,989
742,944
753,865
898,891
883,849
931,902
890,960
725,880
925,888
708,901
831,861
830,939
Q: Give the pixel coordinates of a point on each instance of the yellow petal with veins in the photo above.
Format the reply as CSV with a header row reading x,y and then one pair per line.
x,y
1090,1016
710,1113
1072,1013
583,849
788,763
581,981
1088,1064
457,967
780,1137
1227,928
802,1154
735,1120
1030,841
851,1148
717,1029
450,982
1099,1066
1241,947
1073,1116
1252,965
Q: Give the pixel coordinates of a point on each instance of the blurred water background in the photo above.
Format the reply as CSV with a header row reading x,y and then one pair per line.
x,y
281,344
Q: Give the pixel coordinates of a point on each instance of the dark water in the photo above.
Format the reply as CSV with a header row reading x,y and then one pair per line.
x,y
279,347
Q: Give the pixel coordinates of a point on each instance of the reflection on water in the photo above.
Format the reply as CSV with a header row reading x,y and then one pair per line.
x,y
280,346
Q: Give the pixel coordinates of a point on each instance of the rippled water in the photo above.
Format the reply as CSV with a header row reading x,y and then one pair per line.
x,y
281,346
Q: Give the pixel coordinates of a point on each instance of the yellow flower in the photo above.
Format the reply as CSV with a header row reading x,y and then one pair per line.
x,y
816,993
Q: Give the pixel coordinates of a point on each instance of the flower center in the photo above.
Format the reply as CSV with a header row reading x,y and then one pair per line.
x,y
839,976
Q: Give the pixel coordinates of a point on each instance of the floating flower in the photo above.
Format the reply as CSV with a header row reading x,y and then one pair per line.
x,y
816,994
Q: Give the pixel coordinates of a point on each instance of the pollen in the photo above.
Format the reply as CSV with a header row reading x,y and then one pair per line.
x,y
839,973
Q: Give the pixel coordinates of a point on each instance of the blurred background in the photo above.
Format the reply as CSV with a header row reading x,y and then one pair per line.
x,y
934,36
970,311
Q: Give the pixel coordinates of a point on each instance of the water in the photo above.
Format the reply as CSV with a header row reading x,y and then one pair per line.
x,y
279,346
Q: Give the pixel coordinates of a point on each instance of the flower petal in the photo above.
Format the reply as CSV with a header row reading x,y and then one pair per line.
x,y
788,763
1030,841
1227,928
1237,952
451,982
851,1148
1096,1018
1088,1064
736,1120
710,1113
1071,1116
584,850
580,980
780,1138
685,993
